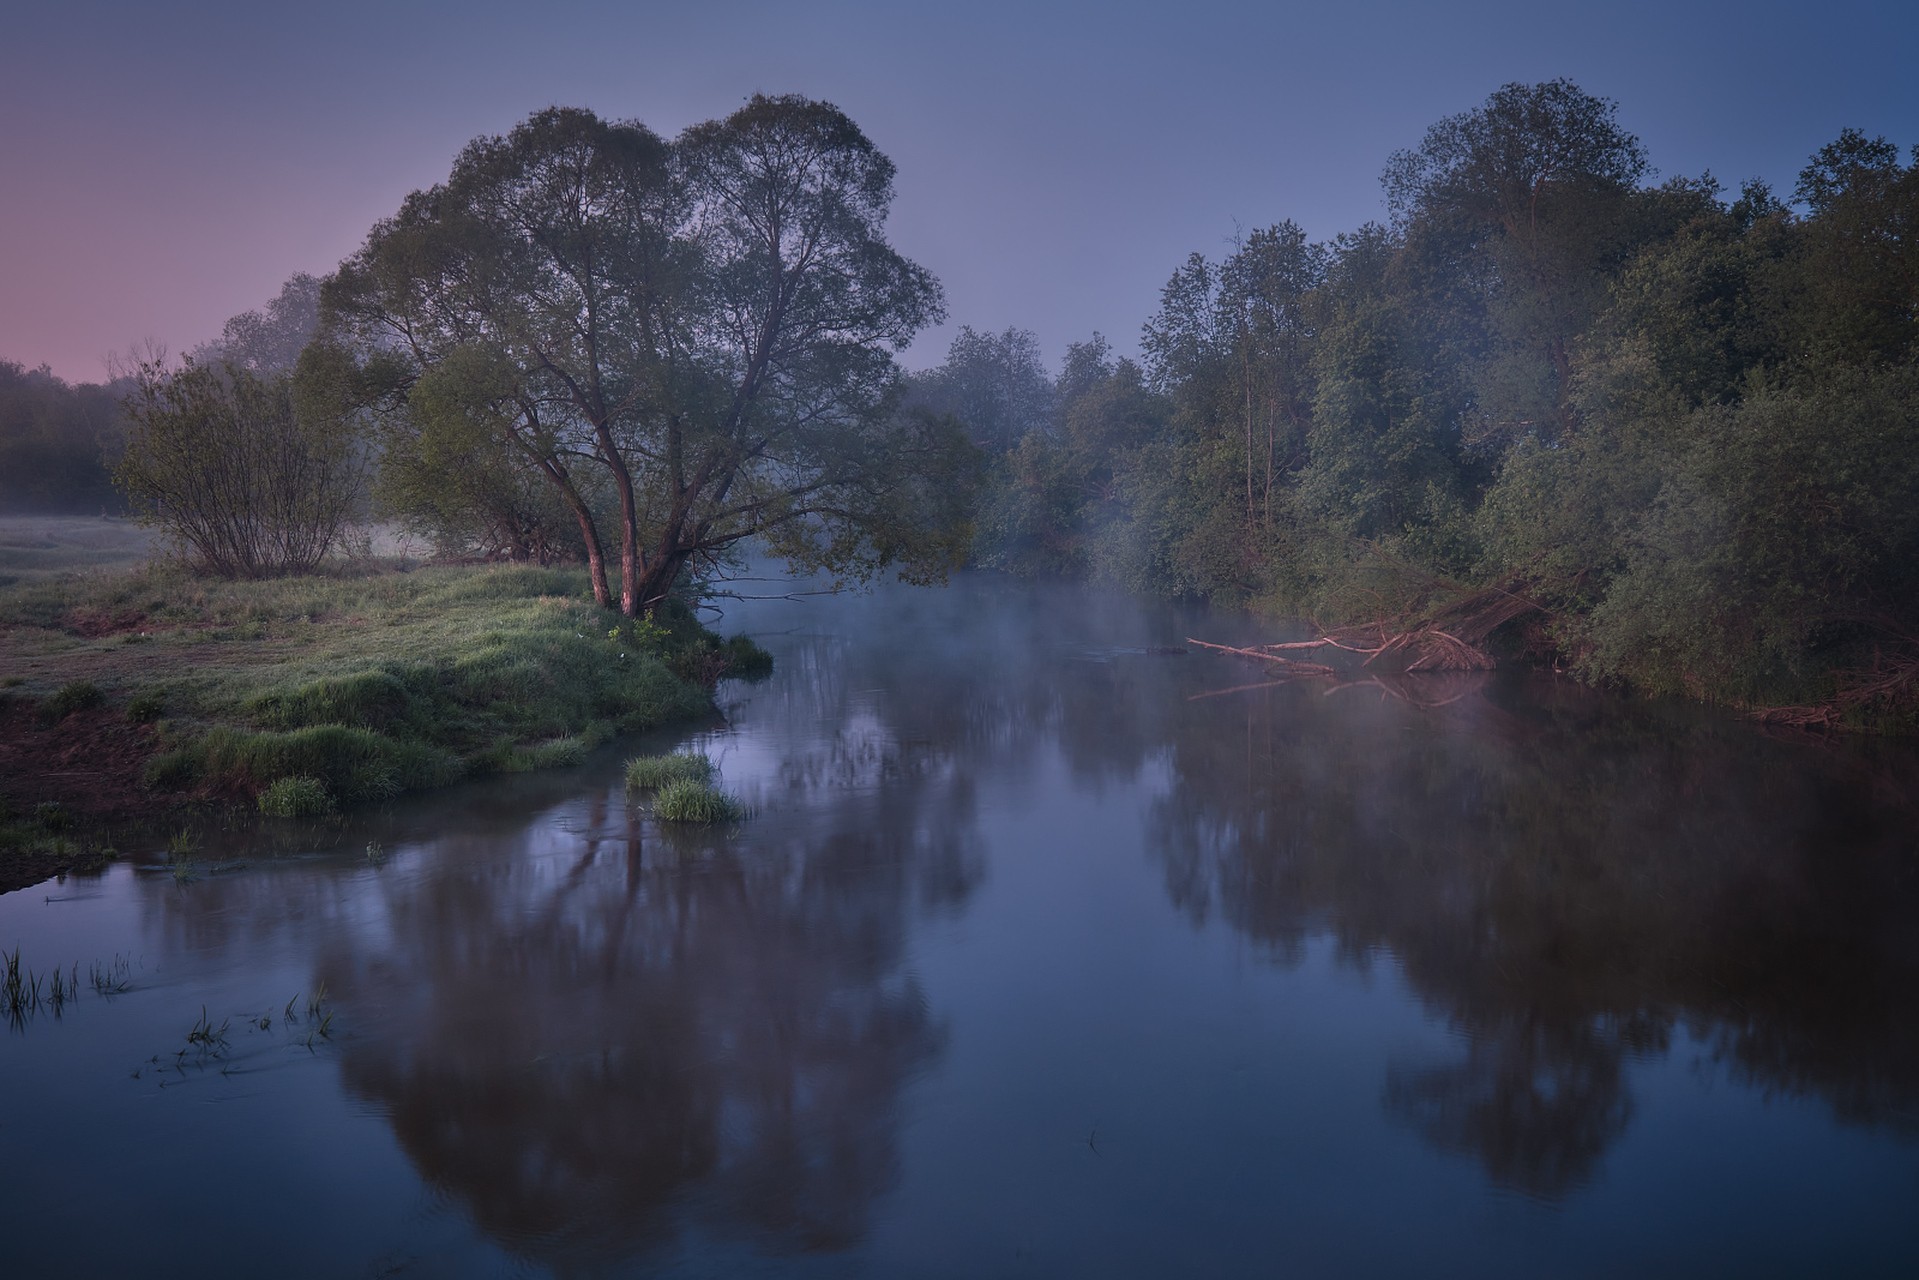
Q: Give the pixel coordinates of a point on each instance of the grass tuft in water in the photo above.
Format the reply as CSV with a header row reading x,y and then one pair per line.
x,y
19,991
701,803
110,979
648,772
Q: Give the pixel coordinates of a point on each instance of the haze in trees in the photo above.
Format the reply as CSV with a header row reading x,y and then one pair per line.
x,y
1686,428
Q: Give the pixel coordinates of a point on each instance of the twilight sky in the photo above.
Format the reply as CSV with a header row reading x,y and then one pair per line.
x,y
164,166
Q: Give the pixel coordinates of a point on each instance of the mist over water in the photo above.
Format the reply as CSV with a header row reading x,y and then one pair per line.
x,y
1039,956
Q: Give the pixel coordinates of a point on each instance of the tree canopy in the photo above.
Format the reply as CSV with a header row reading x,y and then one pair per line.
x,y
1685,426
698,334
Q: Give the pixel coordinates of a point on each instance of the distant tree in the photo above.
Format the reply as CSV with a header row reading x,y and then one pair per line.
x,y
220,459
1532,195
269,340
994,384
1859,278
55,440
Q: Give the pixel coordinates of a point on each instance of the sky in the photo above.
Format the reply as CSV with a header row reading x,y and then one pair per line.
x,y
164,166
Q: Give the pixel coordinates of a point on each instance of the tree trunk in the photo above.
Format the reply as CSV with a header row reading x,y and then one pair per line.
x,y
657,582
595,557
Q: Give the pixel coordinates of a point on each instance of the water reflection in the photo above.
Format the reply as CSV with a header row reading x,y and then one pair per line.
x,y
604,1041
636,1034
1564,881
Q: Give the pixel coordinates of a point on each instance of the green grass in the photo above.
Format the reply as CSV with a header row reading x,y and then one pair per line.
x,y
648,772
296,797
36,547
78,695
371,683
689,801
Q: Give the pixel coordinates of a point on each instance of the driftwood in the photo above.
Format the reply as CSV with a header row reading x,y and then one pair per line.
x,y
1261,654
1429,689
1888,684
1448,641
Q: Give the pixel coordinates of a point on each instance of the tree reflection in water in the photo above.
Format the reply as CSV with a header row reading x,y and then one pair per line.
x,y
603,1039
1564,882
656,1032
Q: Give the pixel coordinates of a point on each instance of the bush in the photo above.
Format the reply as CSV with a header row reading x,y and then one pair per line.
x,y
296,797
221,460
648,772
702,803
146,707
674,635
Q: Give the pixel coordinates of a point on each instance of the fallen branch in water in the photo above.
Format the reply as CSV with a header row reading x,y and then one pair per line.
x,y
1887,686
1303,668
1426,649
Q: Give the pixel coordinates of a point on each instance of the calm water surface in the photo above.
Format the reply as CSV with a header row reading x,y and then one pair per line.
x,y
1044,954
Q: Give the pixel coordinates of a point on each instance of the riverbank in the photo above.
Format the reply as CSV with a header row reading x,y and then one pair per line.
x,y
128,695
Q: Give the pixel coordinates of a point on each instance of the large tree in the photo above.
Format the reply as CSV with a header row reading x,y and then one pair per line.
x,y
709,324
1527,203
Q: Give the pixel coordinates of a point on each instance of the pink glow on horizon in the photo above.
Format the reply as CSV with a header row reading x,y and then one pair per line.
x,y
160,172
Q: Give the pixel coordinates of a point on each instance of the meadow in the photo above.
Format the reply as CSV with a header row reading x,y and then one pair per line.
x,y
129,686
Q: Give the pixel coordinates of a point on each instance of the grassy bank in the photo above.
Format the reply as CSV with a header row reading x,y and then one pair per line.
x,y
126,691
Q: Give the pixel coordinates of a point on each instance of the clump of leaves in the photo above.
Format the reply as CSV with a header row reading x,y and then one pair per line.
x,y
296,797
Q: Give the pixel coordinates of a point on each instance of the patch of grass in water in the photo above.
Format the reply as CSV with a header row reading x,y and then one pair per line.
x,y
698,803
649,772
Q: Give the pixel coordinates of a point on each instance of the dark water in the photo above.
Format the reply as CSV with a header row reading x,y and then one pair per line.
x,y
1034,961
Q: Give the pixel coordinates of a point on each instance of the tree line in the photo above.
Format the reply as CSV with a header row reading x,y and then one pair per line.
x,y
1682,422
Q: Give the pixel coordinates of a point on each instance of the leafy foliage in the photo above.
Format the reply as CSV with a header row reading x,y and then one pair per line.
x,y
1688,425
694,336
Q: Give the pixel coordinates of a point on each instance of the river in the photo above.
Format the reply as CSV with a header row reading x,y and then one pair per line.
x,y
1044,953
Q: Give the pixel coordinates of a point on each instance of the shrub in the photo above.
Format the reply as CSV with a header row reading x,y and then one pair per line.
x,y
146,707
657,771
296,797
685,800
220,458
